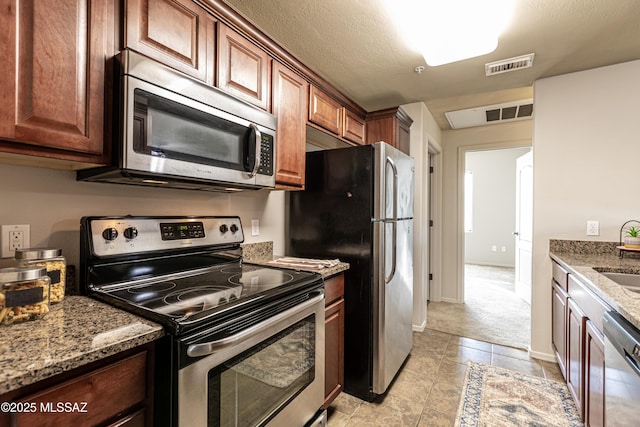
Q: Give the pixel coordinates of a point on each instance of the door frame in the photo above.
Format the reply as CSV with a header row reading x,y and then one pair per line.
x,y
460,235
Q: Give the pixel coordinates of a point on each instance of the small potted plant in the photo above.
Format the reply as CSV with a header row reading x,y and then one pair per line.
x,y
632,239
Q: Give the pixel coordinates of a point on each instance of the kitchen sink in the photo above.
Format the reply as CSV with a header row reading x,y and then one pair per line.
x,y
626,280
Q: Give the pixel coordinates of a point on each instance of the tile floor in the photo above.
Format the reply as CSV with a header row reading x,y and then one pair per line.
x,y
427,390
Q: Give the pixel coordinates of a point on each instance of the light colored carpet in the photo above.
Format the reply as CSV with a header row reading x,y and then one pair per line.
x,y
499,397
491,312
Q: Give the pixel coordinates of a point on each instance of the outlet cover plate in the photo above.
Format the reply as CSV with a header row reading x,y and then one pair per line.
x,y
593,227
6,229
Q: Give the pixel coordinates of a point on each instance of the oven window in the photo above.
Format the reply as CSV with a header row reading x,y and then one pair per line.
x,y
167,129
250,389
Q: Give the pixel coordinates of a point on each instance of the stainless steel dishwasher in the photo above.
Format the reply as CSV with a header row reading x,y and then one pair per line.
x,y
622,371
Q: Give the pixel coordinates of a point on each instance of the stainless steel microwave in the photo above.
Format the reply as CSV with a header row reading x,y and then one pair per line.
x,y
174,131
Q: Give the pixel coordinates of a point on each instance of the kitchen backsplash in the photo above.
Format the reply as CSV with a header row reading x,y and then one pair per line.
x,y
583,247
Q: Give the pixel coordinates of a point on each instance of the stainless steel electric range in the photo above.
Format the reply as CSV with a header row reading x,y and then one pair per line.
x,y
244,343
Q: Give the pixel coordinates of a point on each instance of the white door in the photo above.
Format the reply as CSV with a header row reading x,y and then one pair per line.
x,y
524,224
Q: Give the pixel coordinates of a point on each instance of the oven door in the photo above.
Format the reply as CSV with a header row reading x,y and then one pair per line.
x,y
270,374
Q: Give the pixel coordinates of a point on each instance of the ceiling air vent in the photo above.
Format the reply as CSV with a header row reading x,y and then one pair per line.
x,y
490,114
506,65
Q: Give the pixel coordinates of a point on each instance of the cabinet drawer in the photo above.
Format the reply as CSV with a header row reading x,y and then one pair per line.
x,y
333,288
592,306
560,275
107,392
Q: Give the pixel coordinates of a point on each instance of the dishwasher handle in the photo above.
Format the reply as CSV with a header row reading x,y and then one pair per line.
x,y
624,336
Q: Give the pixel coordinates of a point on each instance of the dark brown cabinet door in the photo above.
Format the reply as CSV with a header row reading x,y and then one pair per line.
x,y
334,338
594,377
353,127
324,111
53,67
178,33
576,324
391,126
559,326
334,350
109,392
289,106
244,69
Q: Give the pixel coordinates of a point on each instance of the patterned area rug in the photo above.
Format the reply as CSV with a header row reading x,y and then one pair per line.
x,y
499,397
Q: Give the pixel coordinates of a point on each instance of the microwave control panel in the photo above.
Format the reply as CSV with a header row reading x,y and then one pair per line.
x,y
266,155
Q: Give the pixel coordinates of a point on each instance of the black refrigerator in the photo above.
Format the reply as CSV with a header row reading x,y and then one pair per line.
x,y
358,206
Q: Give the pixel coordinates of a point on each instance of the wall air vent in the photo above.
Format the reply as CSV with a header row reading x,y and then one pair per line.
x,y
490,114
506,65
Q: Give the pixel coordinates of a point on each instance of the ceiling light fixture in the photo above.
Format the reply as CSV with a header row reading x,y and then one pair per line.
x,y
446,31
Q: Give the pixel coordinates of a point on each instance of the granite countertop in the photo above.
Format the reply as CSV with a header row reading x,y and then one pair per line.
x,y
587,265
75,332
262,253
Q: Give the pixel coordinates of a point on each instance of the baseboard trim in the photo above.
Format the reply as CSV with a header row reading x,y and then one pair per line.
x,y
420,328
543,356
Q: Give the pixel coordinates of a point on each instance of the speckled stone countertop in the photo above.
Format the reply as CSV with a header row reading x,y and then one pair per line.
x,y
75,332
587,263
261,253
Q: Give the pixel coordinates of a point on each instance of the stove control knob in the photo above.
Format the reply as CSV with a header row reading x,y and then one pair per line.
x,y
110,233
131,233
234,228
224,228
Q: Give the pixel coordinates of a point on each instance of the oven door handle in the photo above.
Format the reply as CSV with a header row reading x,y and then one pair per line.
x,y
205,349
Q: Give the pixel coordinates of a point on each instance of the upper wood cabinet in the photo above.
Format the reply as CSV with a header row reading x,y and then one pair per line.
x,y
391,126
178,33
289,96
324,111
244,69
353,127
54,58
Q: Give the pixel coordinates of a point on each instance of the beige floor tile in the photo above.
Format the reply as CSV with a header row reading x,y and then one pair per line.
x,y
390,412
431,418
461,354
336,418
551,371
531,367
516,353
346,404
445,395
471,343
412,385
423,362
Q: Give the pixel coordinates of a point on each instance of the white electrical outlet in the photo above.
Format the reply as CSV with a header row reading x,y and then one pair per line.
x,y
255,227
14,237
593,227
503,249
494,248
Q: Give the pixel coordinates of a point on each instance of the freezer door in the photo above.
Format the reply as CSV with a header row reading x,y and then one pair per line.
x,y
392,299
393,183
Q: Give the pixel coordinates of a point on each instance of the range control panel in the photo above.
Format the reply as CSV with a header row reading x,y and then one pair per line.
x,y
129,235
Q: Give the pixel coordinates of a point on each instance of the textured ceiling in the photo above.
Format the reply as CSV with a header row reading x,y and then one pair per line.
x,y
353,45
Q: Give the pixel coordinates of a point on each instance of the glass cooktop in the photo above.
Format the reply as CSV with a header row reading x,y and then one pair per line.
x,y
190,295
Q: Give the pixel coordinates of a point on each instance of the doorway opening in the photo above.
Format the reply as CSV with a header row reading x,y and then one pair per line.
x,y
496,207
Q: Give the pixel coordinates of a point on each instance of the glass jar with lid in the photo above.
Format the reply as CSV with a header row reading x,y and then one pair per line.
x,y
53,261
24,294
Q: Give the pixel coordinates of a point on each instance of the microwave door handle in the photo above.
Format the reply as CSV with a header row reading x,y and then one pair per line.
x,y
204,349
258,152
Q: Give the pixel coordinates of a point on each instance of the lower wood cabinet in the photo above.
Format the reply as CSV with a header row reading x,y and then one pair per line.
x,y
594,377
576,323
334,338
113,393
579,342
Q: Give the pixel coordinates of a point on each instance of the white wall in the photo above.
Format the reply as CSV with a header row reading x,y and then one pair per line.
x,y
424,133
52,202
494,206
455,144
586,144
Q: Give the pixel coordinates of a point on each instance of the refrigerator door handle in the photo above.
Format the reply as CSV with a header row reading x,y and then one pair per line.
x,y
394,236
394,232
394,169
